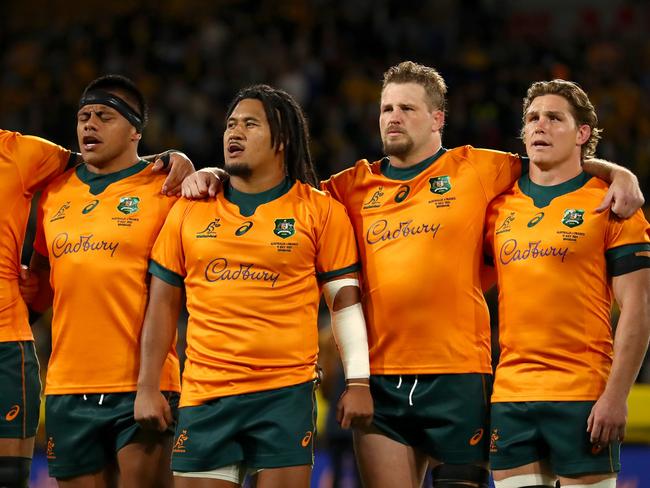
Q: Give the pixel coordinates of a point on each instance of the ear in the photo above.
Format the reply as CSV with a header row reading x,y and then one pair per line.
x,y
583,134
136,136
438,121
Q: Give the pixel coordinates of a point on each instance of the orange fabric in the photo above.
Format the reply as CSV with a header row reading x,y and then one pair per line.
x,y
555,294
98,247
26,164
252,295
421,252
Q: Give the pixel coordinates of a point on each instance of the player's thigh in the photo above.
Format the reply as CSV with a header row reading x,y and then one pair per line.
x,y
287,477
146,460
385,463
185,482
20,396
107,477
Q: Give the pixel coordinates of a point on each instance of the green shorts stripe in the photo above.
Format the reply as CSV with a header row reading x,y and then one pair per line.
x,y
524,432
266,429
84,432
20,390
444,416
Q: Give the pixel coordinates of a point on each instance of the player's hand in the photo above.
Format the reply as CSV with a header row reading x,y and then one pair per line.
x,y
27,284
179,167
204,183
151,410
606,423
355,408
624,195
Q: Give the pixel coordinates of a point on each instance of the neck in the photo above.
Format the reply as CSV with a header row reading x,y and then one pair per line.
x,y
555,175
257,183
114,165
415,157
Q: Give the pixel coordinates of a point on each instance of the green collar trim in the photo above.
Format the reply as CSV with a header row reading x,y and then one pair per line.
x,y
99,182
543,195
403,174
248,202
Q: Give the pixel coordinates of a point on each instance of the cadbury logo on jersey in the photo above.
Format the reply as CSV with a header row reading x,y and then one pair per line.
x,y
219,270
511,252
210,230
61,245
380,230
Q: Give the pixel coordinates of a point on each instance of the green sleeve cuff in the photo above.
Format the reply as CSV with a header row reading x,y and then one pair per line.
x,y
623,259
164,274
338,272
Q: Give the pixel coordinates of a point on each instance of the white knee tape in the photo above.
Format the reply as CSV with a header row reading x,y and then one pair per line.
x,y
518,481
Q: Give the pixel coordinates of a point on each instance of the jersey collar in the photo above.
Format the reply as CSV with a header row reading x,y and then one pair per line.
x,y
404,174
248,202
99,182
543,195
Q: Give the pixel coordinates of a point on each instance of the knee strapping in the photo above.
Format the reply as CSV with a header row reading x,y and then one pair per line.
x,y
460,475
14,472
532,480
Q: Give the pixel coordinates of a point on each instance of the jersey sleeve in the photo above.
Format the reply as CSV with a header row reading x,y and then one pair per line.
x,y
497,170
37,160
336,248
627,244
336,185
167,257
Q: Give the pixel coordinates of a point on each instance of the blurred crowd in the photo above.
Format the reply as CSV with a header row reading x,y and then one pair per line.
x,y
191,56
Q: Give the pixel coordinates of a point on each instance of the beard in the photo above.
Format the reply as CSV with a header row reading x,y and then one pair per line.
x,y
399,149
240,170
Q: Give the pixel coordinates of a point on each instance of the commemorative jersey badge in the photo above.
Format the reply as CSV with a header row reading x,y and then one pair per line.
x,y
285,228
573,217
128,205
440,185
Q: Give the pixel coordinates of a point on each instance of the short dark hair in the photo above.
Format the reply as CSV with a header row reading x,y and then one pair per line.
x,y
582,109
126,88
288,127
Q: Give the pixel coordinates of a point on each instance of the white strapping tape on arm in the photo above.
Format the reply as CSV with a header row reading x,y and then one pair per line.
x,y
331,288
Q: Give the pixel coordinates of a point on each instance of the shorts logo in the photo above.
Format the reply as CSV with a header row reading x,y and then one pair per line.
x,y
535,220
284,228
50,448
440,185
573,217
60,213
12,413
494,437
209,232
179,446
90,207
374,199
476,438
403,192
245,227
307,439
128,205
505,226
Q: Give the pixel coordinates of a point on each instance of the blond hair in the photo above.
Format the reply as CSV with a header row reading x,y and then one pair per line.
x,y
434,85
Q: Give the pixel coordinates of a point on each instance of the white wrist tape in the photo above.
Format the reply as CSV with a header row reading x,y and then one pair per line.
x,y
349,328
331,288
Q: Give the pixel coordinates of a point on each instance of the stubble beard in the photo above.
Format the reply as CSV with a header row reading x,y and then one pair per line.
x,y
399,149
240,170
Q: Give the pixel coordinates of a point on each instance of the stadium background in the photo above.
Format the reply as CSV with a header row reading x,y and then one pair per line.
x,y
190,57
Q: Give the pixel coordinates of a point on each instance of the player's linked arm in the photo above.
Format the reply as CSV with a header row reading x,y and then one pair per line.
x,y
151,409
206,182
624,195
608,416
343,297
41,295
